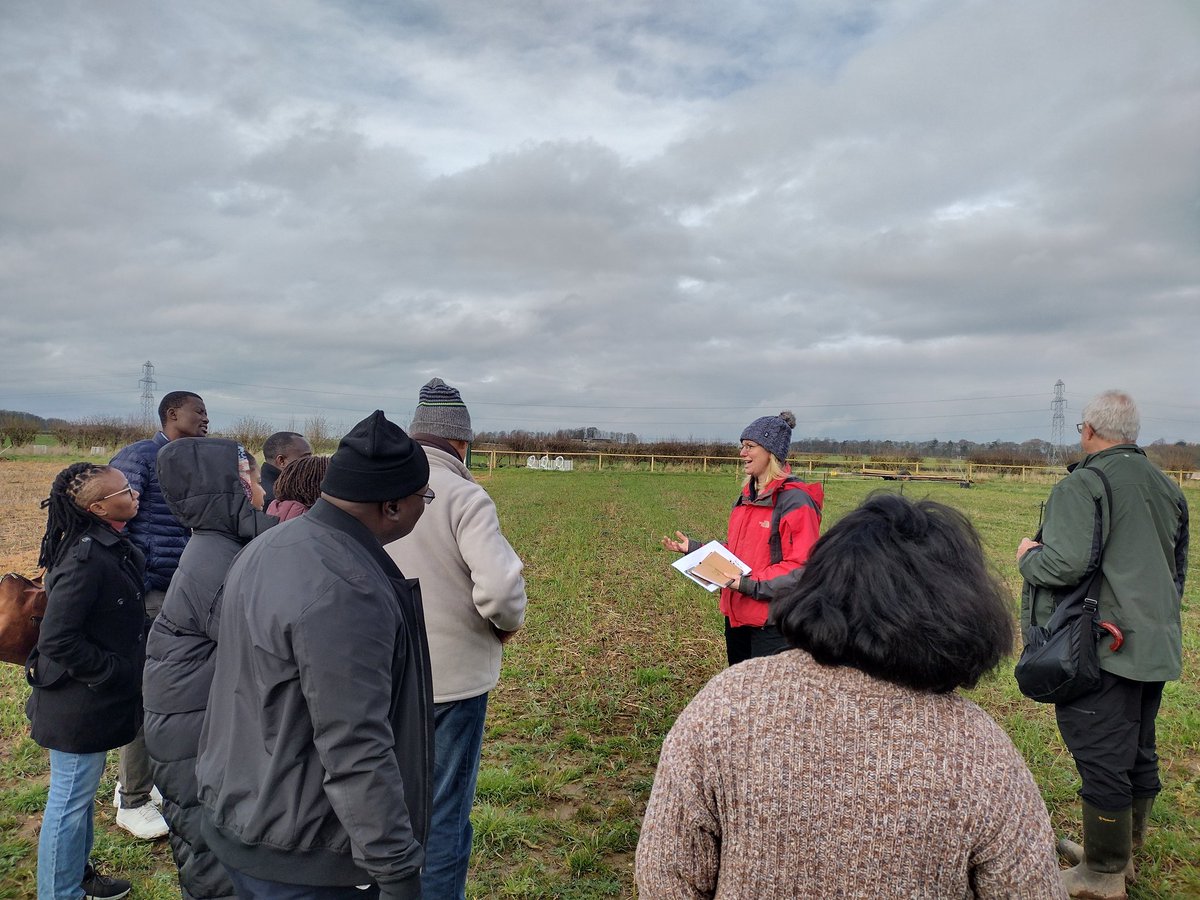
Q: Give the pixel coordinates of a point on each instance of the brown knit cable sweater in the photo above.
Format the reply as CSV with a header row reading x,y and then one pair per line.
x,y
784,778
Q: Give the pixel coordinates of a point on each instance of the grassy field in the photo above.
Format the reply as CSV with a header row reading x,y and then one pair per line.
x,y
615,645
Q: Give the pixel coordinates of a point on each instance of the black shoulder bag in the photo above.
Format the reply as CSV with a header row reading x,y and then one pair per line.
x,y
1060,661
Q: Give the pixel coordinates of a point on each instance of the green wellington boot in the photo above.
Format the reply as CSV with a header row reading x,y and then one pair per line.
x,y
1073,852
1141,815
1107,847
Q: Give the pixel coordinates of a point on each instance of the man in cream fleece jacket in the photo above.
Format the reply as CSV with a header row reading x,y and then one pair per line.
x,y
474,599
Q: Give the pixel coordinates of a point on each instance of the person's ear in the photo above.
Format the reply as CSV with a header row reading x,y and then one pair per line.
x,y
390,509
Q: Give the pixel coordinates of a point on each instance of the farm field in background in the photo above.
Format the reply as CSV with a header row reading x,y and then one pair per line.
x,y
615,644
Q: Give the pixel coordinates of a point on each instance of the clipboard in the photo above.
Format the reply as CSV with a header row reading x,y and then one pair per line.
x,y
696,564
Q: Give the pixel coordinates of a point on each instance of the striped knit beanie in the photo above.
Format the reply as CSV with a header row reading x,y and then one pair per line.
x,y
442,413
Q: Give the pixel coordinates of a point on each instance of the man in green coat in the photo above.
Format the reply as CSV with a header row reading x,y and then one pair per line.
x,y
1110,731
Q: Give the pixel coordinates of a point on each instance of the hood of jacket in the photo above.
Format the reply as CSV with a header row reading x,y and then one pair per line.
x,y
199,479
767,498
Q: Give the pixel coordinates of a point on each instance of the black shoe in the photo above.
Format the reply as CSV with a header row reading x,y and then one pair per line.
x,y
101,887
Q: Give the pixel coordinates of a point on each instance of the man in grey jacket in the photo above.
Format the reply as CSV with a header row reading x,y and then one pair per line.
x,y
316,749
475,601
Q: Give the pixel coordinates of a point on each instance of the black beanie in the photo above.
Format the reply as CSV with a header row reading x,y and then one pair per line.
x,y
376,461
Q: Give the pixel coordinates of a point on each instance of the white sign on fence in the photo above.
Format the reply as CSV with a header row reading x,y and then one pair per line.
x,y
558,464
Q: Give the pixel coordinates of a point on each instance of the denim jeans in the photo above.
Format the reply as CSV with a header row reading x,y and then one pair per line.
x,y
457,741
65,841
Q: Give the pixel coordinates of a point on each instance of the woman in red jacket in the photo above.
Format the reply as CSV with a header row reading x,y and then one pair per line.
x,y
773,526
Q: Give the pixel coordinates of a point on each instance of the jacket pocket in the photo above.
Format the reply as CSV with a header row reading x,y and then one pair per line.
x,y
43,672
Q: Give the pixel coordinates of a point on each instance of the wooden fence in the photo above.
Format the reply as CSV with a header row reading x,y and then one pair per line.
x,y
949,470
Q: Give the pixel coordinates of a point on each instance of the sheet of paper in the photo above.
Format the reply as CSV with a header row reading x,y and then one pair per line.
x,y
693,559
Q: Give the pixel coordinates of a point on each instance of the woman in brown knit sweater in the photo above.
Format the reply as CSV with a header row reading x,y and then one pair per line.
x,y
849,766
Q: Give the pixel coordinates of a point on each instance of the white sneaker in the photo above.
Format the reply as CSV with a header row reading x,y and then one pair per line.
x,y
155,796
144,822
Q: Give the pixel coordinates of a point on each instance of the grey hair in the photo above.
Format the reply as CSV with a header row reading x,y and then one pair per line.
x,y
1113,416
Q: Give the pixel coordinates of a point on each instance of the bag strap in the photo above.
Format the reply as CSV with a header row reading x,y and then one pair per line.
x,y
785,502
1094,582
781,507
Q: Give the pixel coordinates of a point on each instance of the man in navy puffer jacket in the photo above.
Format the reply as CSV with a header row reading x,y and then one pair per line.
x,y
160,536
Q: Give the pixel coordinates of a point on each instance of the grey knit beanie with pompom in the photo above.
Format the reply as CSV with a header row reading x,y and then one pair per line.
x,y
772,432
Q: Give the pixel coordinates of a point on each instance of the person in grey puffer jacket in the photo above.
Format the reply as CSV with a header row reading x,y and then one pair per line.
x,y
200,482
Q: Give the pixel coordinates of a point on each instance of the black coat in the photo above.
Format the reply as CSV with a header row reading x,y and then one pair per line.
x,y
86,672
199,480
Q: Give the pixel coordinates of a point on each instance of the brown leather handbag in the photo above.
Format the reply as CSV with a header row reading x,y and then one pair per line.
x,y
22,607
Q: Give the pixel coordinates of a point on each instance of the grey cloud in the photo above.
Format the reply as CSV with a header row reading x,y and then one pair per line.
x,y
729,208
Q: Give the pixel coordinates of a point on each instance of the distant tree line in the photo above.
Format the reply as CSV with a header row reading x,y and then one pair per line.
x,y
111,432
20,428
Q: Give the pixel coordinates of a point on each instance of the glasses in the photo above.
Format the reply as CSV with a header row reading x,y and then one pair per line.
x,y
427,495
1079,427
128,489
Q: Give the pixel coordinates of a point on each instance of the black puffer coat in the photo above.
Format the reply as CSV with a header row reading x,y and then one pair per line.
x,y
157,533
84,673
199,479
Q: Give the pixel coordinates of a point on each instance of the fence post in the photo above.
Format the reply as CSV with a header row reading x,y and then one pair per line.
x,y
705,464
599,462
651,463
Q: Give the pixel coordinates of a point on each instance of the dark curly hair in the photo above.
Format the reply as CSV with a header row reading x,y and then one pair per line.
x,y
301,480
901,590
68,517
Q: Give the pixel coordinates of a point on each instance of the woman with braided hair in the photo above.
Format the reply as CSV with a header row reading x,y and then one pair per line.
x,y
86,671
298,487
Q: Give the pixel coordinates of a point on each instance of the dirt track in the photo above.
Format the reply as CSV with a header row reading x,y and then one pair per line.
x,y
23,486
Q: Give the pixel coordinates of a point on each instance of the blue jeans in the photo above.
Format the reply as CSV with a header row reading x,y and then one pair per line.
x,y
65,841
457,741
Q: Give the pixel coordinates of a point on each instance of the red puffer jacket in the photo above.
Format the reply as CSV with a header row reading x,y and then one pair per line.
x,y
789,510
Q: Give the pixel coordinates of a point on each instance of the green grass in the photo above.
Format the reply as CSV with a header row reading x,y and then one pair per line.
x,y
615,644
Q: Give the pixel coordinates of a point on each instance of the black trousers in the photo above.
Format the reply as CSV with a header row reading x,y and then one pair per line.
x,y
1110,733
744,642
250,888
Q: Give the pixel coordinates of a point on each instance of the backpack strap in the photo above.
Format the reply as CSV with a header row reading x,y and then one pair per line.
x,y
786,502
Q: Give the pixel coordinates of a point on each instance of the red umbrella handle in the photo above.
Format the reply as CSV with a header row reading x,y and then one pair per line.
x,y
1118,638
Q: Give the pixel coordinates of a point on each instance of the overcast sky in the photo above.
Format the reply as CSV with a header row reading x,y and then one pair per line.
x,y
898,219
